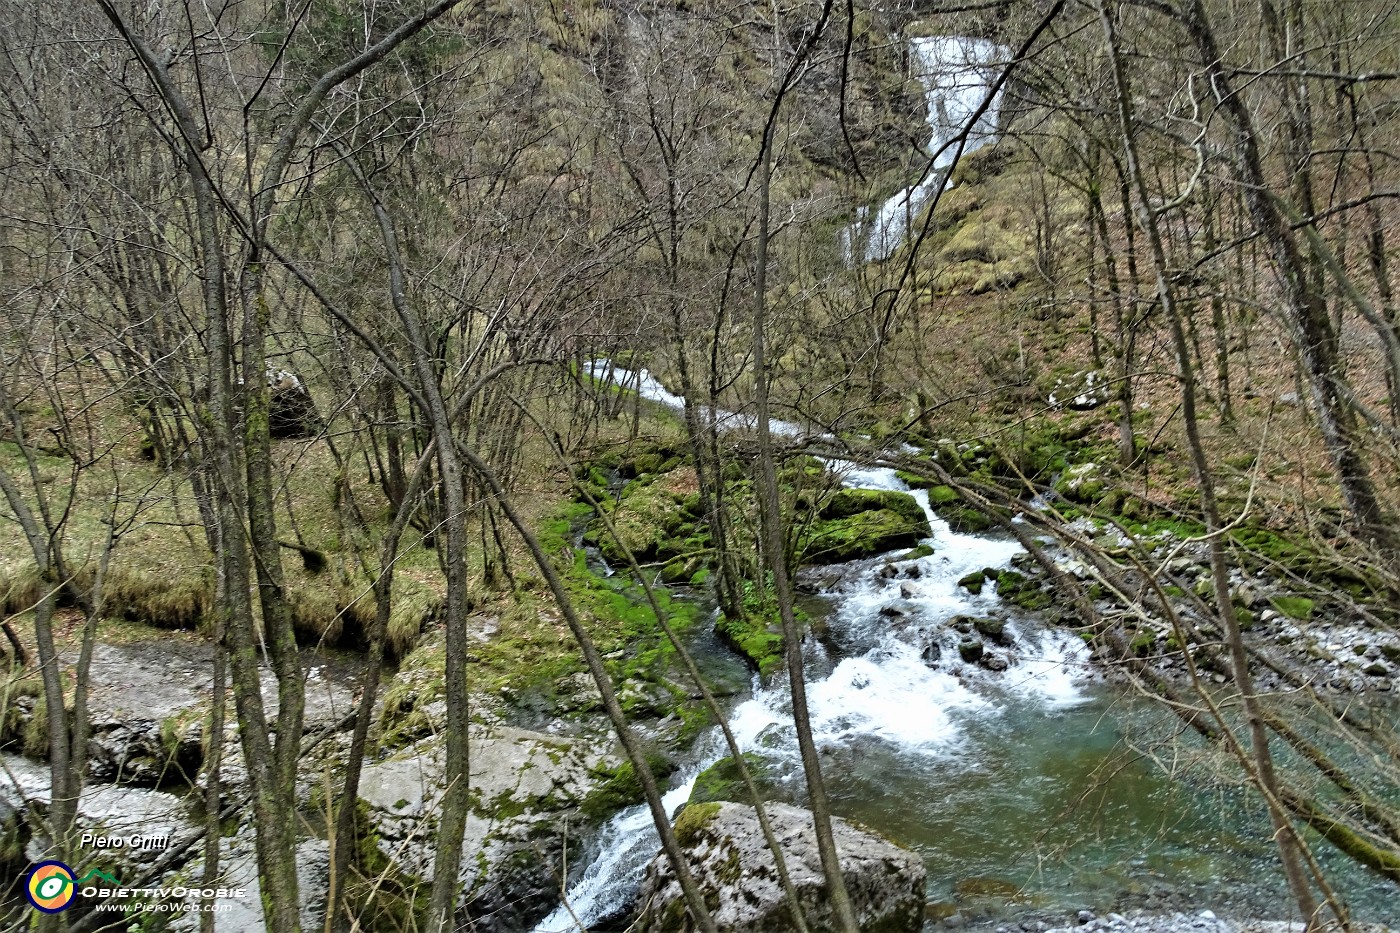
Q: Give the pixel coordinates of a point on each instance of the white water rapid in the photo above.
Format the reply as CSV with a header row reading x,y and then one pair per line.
x,y
882,689
957,74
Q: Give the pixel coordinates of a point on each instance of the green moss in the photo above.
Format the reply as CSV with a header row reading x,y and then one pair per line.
x,y
966,520
693,821
923,550
915,481
849,502
864,534
1142,643
1295,607
752,635
973,582
941,496
1018,590
721,781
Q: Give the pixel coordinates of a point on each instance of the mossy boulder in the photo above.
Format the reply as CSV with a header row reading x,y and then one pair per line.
x,y
849,502
1299,608
650,520
730,862
994,629
1085,483
973,582
914,480
940,497
857,523
754,637
721,781
1019,590
917,553
967,521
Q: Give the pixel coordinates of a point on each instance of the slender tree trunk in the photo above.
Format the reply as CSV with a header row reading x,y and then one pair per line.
x,y
770,516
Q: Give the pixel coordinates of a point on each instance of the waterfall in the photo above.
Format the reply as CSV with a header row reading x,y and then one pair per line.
x,y
956,73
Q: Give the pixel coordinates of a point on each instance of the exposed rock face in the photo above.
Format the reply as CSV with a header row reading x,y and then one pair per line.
x,y
736,872
527,788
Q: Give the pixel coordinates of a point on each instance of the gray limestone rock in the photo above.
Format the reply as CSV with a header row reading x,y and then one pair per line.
x,y
736,874
526,789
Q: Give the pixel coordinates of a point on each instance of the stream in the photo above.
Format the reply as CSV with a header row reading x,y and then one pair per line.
x,y
1017,787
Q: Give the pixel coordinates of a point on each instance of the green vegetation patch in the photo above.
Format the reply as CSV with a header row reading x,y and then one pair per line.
x,y
694,820
1299,608
754,637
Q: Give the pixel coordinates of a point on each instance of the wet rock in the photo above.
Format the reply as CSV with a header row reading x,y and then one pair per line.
x,y
527,790
1085,916
735,872
961,623
995,629
971,650
1376,669
932,654
888,572
973,582
995,662
893,613
907,592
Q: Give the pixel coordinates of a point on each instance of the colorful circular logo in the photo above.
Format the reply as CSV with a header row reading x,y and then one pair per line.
x,y
51,887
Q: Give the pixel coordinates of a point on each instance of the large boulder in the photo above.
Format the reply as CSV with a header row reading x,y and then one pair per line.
x,y
527,793
736,874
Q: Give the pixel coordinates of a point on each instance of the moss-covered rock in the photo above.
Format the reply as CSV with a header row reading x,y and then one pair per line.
x,y
914,480
1299,608
721,781
864,534
1019,590
973,582
754,637
966,521
941,497
1085,483
650,521
849,502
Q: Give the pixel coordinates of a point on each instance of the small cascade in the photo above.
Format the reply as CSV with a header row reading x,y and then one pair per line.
x,y
883,688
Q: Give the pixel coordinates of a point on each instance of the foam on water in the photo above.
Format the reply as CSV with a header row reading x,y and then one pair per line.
x,y
890,694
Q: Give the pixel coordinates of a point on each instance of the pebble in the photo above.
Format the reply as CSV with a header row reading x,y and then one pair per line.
x,y
1140,921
